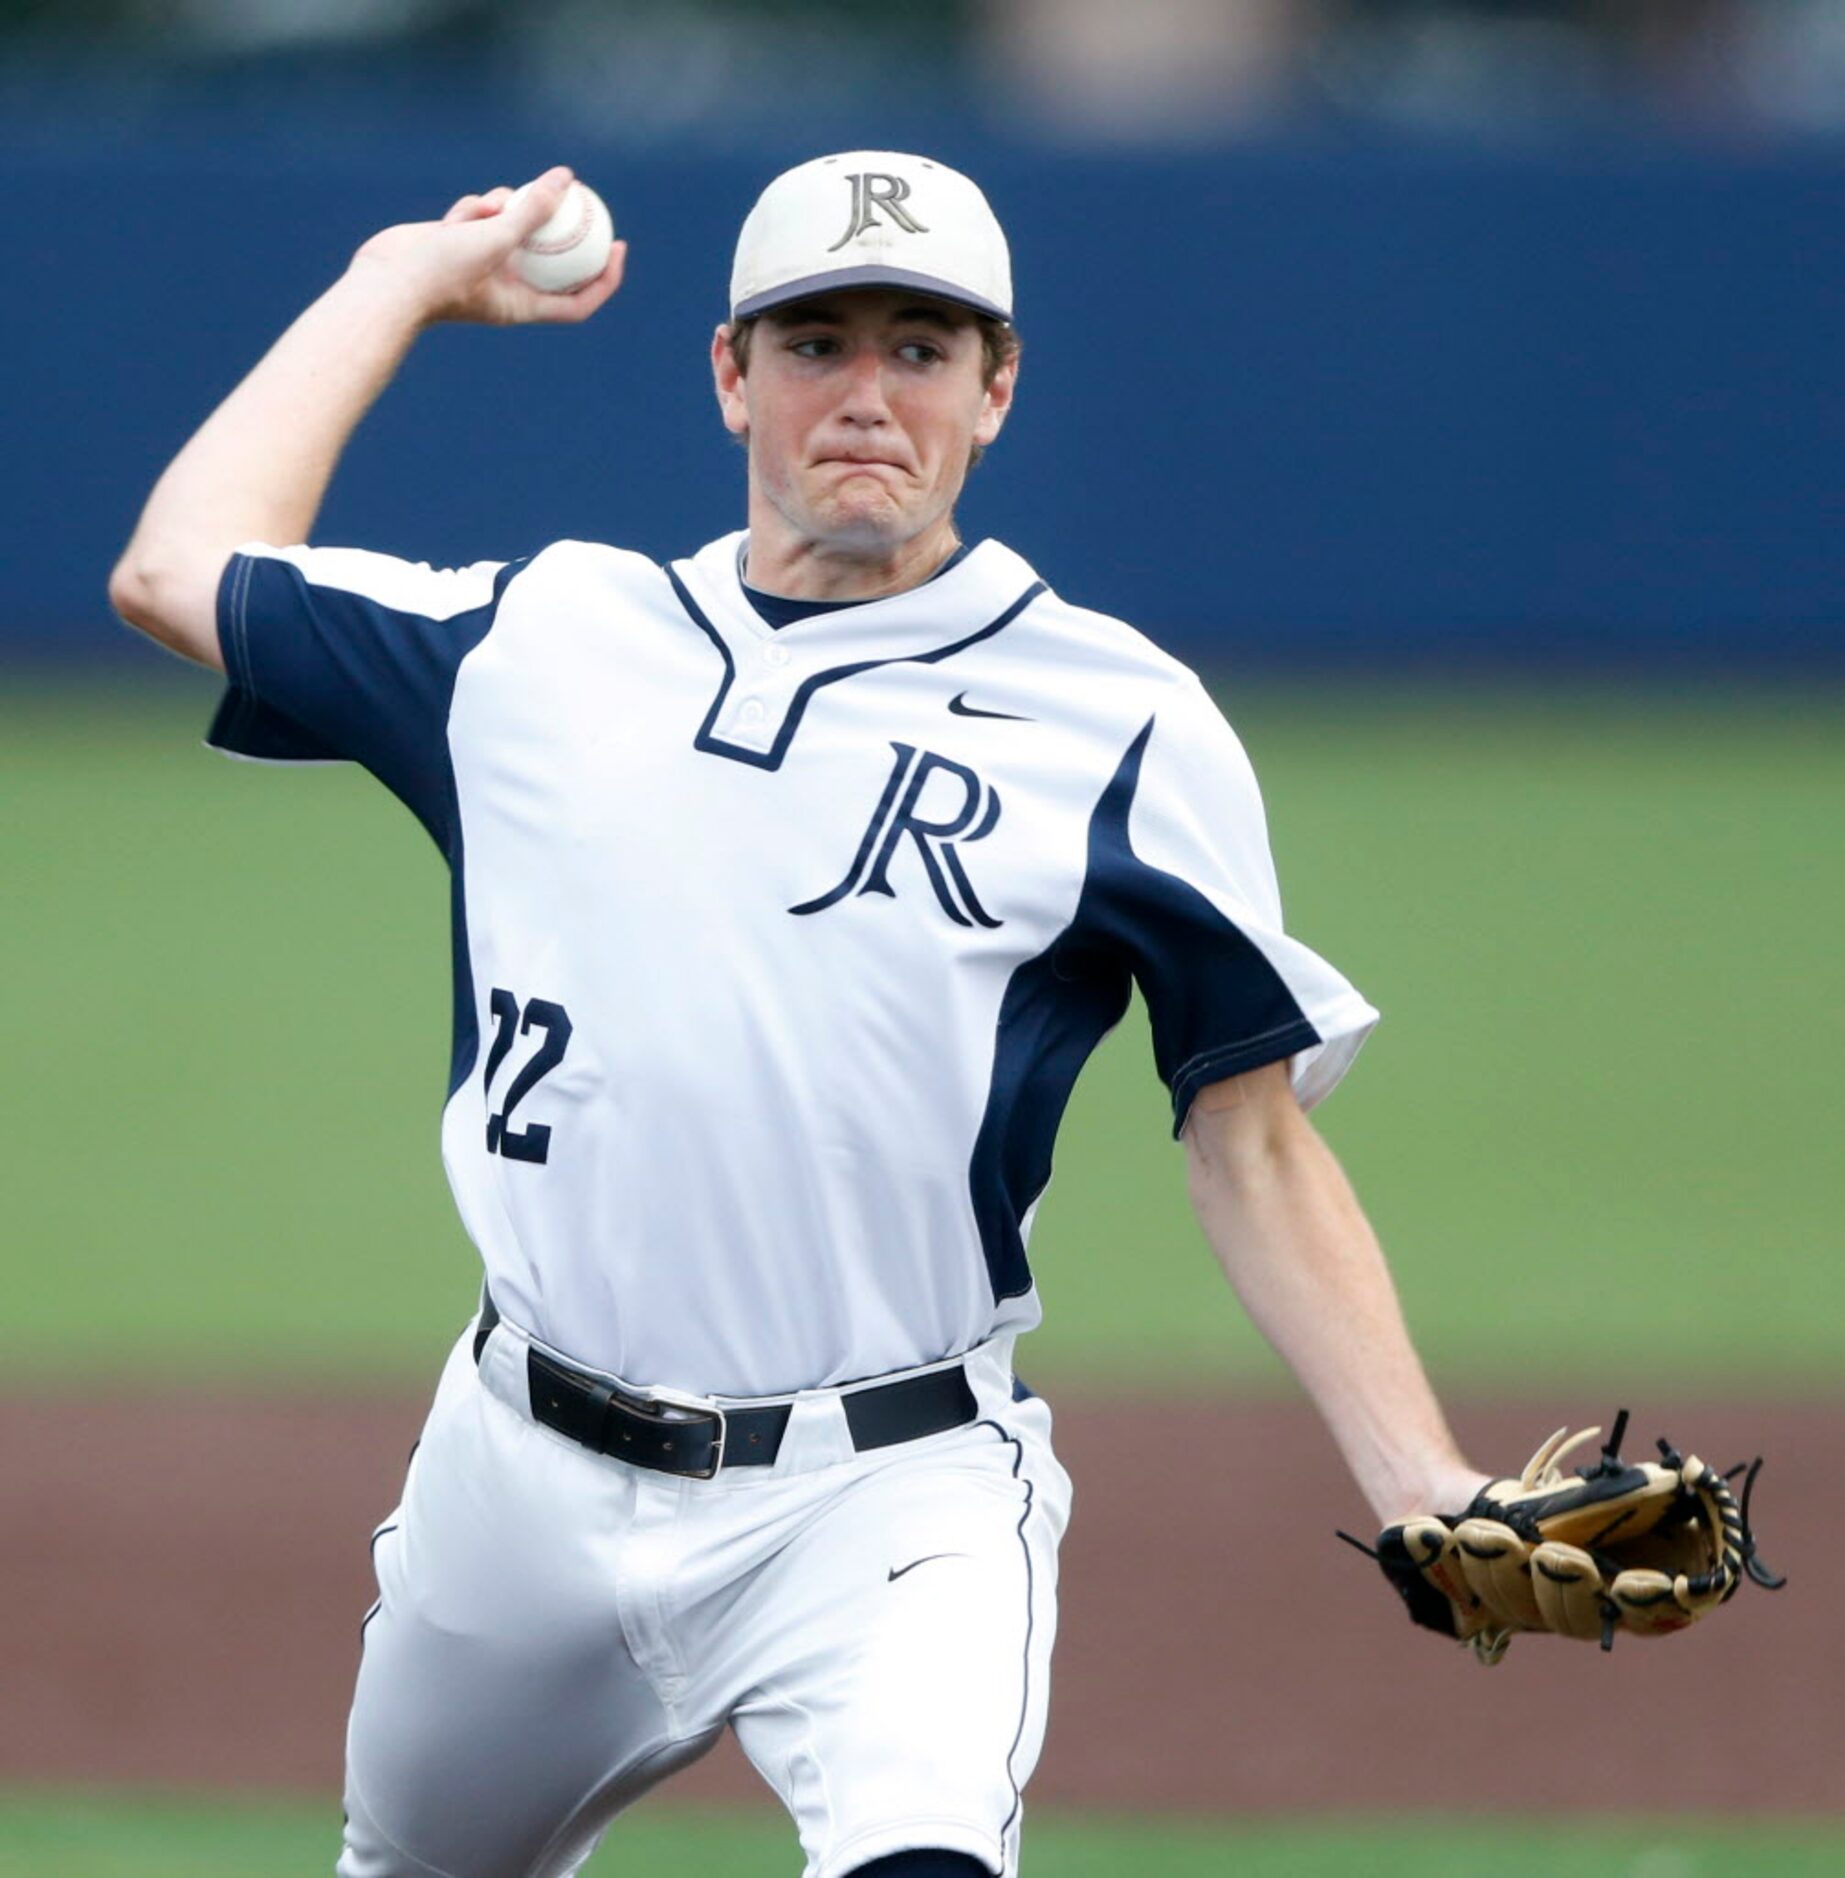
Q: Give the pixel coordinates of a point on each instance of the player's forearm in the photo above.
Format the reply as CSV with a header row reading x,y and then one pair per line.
x,y
259,466
1296,1246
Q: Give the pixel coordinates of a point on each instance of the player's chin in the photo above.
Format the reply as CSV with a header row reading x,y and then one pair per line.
x,y
863,517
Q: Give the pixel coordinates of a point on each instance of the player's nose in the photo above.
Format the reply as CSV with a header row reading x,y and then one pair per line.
x,y
865,400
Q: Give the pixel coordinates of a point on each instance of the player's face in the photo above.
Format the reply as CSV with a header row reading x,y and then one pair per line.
x,y
862,410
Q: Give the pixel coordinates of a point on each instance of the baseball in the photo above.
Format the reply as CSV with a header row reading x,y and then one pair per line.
x,y
572,248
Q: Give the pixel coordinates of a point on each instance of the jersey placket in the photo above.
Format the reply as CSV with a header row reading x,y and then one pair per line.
x,y
767,676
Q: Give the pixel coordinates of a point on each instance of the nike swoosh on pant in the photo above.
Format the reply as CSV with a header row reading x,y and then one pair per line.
x,y
897,1571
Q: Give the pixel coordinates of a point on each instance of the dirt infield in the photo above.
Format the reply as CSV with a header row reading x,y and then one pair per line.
x,y
183,1581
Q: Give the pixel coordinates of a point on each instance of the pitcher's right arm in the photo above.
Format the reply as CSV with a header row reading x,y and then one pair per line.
x,y
259,466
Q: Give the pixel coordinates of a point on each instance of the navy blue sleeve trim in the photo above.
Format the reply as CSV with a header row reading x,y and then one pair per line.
x,y
1217,1006
233,585
1218,1009
1236,1059
321,672
772,758
243,724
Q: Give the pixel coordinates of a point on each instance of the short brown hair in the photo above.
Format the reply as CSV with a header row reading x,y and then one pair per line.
x,y
999,344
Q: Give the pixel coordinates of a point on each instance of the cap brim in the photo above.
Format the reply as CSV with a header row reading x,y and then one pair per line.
x,y
810,285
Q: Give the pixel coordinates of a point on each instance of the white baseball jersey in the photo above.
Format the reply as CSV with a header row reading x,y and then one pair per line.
x,y
777,953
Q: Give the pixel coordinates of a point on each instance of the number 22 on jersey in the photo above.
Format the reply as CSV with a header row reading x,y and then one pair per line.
x,y
532,1143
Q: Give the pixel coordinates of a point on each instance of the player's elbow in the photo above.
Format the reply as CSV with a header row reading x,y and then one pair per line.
x,y
170,601
131,593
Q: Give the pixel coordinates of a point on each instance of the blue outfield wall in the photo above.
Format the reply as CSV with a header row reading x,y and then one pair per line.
x,y
1325,404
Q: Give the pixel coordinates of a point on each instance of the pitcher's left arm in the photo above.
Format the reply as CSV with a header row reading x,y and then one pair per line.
x,y
1297,1248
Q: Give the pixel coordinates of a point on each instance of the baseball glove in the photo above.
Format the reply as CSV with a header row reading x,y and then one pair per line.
x,y
1645,1548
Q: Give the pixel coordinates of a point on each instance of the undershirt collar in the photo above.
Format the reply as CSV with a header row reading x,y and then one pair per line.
x,y
778,610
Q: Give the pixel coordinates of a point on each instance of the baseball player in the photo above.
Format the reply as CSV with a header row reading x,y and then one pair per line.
x,y
793,883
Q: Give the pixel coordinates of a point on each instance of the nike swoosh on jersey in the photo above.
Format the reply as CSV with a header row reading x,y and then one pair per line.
x,y
897,1571
959,705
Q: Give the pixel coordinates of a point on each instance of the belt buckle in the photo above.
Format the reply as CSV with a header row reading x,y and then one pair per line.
x,y
704,1409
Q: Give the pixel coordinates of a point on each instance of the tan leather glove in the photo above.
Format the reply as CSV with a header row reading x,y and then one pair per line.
x,y
1645,1548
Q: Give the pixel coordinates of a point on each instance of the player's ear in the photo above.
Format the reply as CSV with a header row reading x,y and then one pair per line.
x,y
727,375
998,403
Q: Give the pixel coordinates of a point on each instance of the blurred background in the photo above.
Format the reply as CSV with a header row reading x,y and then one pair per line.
x,y
1455,382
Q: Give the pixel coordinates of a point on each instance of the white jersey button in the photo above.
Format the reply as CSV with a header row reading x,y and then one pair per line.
x,y
751,712
774,655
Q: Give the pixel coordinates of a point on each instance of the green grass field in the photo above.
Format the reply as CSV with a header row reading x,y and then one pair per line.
x,y
1602,927
85,1836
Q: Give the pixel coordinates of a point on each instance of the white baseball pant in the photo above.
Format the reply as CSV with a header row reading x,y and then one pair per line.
x,y
556,1632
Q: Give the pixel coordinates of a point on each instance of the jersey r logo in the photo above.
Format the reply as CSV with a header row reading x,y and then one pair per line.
x,y
897,815
870,193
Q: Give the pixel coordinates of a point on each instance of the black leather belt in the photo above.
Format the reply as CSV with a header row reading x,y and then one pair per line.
x,y
672,1438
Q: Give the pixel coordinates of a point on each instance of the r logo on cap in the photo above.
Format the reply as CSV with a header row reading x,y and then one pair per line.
x,y
959,254
869,194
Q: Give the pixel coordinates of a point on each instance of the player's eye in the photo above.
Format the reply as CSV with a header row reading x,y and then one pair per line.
x,y
919,352
821,346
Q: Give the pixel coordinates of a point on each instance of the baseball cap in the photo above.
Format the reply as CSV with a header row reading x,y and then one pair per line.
x,y
871,218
